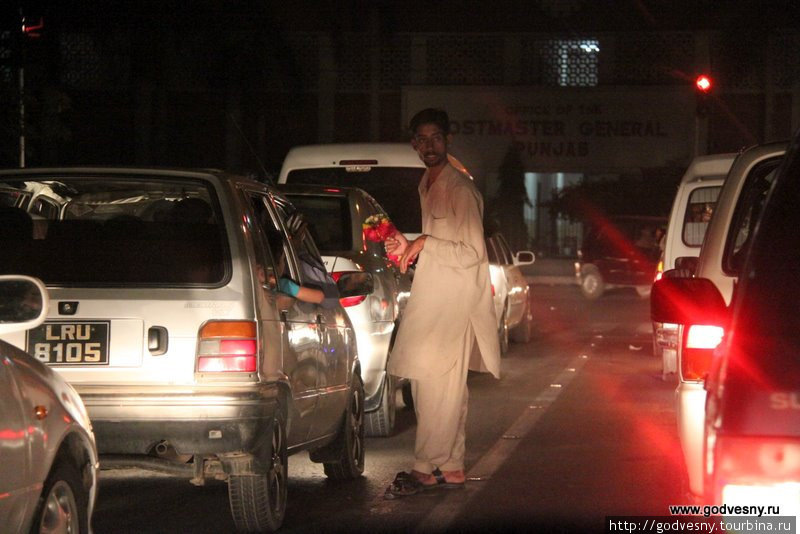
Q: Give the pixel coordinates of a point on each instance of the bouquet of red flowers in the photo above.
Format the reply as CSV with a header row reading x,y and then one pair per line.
x,y
377,228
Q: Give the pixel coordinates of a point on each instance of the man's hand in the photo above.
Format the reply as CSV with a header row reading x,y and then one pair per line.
x,y
411,252
396,244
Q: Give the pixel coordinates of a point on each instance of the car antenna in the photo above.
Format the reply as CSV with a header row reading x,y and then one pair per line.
x,y
249,146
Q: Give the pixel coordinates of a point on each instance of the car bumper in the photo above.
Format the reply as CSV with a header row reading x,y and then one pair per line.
x,y
690,408
132,420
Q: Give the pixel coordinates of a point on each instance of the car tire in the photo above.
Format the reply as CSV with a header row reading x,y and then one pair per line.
x,y
408,396
64,502
592,283
349,444
258,502
524,330
380,422
502,333
644,291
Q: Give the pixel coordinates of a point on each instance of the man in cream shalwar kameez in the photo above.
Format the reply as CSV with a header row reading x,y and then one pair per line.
x,y
449,324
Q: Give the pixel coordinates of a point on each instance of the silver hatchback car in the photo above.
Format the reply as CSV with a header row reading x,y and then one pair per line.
x,y
168,320
48,473
336,216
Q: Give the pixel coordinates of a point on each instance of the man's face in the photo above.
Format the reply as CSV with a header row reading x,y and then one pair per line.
x,y
431,142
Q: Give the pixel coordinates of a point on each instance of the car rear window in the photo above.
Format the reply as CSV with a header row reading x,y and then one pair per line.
x,y
699,210
395,188
112,230
328,219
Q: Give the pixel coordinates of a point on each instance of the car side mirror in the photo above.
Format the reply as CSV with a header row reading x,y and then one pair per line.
x,y
24,303
524,257
354,284
687,263
695,301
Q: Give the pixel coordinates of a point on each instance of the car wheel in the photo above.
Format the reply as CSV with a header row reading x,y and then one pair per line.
x,y
644,291
502,333
408,396
380,422
592,284
64,502
258,502
350,441
523,331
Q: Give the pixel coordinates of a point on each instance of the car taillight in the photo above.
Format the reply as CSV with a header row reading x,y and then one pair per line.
x,y
348,301
698,350
659,271
757,470
227,346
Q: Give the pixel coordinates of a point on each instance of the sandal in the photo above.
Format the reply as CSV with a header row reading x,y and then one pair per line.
x,y
442,482
404,485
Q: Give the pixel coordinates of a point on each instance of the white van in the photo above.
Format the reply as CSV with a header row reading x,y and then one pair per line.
x,y
390,172
691,212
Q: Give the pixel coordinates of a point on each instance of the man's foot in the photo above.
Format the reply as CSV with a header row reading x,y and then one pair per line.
x,y
440,479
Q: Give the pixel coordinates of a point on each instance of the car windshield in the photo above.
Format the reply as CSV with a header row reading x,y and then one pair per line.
x,y
111,230
395,188
328,218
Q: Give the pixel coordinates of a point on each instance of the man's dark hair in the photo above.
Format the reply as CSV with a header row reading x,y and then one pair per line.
x,y
430,116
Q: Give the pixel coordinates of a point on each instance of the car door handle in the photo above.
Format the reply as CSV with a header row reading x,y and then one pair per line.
x,y
157,340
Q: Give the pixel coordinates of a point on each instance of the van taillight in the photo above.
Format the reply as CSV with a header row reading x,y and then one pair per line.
x,y
227,346
698,350
659,271
750,470
348,301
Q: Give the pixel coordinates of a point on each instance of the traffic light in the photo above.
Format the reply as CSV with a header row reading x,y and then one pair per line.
x,y
703,85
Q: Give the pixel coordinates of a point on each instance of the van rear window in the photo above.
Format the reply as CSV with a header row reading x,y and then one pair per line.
x,y
395,189
112,231
699,210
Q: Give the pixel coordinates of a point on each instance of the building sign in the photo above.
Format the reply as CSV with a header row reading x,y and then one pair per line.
x,y
569,129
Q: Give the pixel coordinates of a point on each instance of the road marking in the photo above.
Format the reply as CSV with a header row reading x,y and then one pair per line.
x,y
445,513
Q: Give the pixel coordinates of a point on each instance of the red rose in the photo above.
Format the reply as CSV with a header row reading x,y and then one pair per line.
x,y
372,234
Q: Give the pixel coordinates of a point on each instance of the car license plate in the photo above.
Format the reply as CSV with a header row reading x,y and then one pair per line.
x,y
70,343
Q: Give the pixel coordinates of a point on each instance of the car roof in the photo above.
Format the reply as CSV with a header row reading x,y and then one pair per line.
x,y
377,155
164,172
711,165
325,155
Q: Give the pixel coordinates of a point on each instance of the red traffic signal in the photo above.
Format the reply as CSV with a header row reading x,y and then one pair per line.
x,y
703,83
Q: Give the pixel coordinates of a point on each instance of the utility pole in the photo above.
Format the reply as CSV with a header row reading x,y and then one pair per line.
x,y
32,32
22,92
